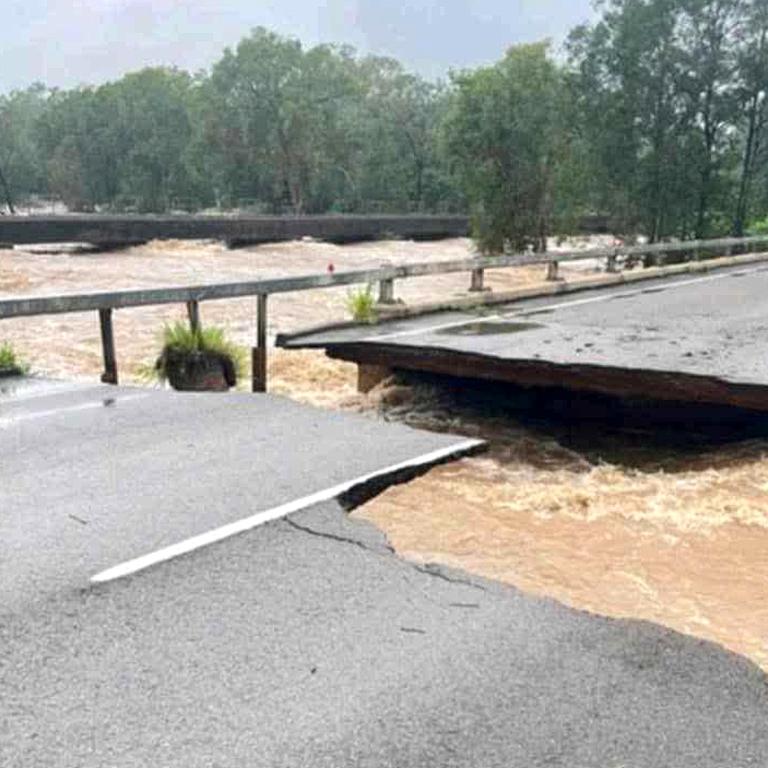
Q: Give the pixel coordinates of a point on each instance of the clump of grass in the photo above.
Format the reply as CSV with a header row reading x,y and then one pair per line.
x,y
10,364
361,304
181,341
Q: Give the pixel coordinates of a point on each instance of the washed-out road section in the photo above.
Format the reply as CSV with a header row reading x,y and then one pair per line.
x,y
700,338
304,641
94,477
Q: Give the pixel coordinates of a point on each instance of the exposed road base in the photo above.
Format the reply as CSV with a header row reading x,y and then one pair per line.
x,y
619,382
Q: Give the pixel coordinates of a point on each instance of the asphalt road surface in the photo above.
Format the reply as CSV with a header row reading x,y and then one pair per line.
x,y
711,325
93,477
304,641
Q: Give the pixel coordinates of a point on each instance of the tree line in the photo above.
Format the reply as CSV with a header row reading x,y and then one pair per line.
x,y
273,124
654,116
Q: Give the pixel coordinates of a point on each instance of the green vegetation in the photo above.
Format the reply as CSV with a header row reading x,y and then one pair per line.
x,y
273,127
656,117
361,304
183,346
10,365
672,97
759,227
507,136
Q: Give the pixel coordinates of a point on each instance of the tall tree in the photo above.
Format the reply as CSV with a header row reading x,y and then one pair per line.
x,y
153,131
506,136
659,120
397,125
275,115
21,169
708,77
637,120
751,95
78,141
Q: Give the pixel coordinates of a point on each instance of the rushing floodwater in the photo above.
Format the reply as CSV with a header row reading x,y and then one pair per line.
x,y
606,520
613,522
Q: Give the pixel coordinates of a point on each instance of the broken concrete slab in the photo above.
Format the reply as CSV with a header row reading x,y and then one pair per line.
x,y
702,338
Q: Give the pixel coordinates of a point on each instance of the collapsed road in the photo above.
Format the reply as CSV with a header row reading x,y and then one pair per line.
x,y
685,338
95,478
302,641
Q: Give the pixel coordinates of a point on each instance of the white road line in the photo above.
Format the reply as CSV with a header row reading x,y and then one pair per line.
x,y
548,307
260,518
8,421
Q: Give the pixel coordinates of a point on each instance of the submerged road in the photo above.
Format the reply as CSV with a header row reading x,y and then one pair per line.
x,y
694,337
303,641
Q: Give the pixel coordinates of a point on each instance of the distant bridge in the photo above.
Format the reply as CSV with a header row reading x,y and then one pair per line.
x,y
108,230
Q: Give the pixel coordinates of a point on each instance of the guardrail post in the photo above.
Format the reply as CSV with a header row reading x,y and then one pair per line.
x,y
193,311
108,347
478,275
552,270
259,352
387,291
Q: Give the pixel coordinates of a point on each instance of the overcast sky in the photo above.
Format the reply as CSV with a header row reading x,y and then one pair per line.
x,y
67,42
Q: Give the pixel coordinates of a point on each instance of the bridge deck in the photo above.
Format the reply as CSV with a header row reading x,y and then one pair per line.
x,y
700,338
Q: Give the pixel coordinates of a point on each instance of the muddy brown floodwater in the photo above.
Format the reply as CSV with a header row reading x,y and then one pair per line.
x,y
69,344
674,536
680,538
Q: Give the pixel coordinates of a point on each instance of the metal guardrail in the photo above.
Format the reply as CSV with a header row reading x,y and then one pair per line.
x,y
106,302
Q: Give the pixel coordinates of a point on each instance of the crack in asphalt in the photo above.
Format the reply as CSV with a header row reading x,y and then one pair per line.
x,y
430,569
336,537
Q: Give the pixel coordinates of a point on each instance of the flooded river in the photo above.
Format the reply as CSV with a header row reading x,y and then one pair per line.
x,y
670,532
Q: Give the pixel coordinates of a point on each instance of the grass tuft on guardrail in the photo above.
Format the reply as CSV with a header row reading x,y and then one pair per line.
x,y
361,304
180,341
10,364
